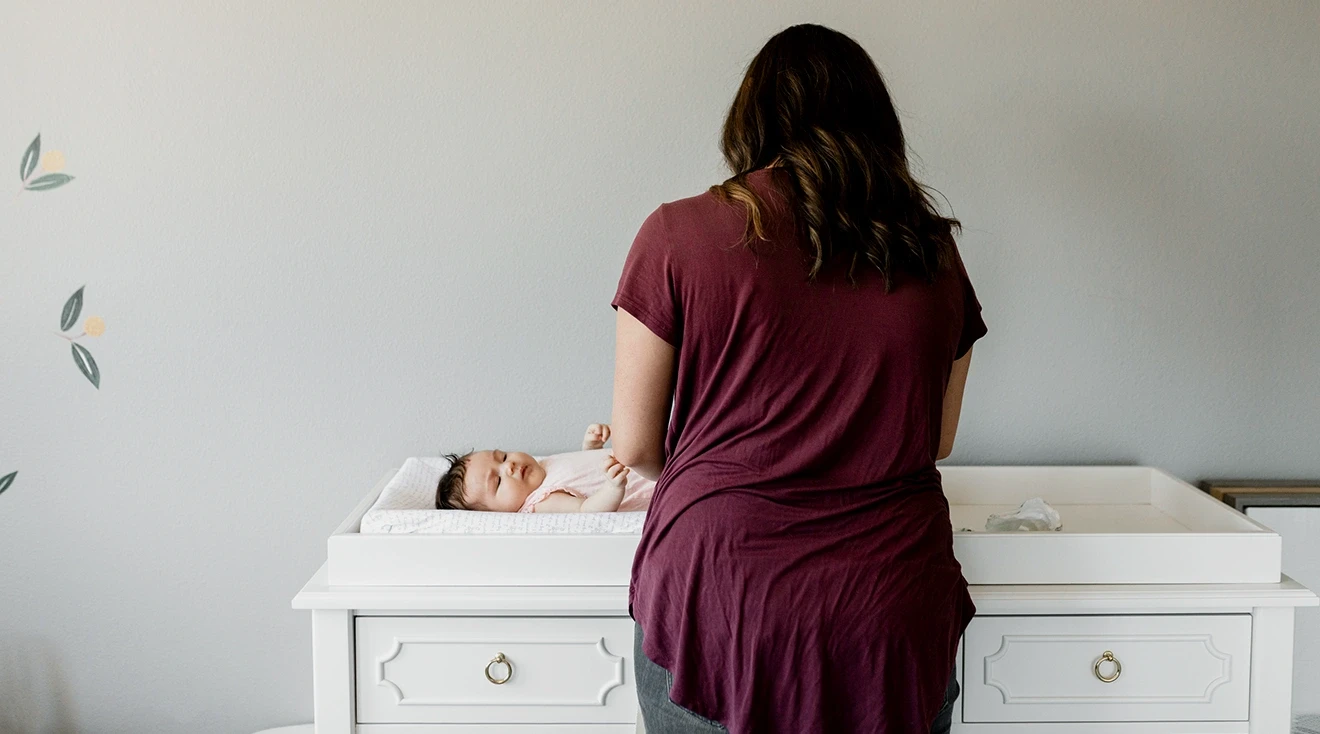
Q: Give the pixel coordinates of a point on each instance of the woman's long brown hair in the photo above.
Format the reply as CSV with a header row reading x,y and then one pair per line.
x,y
814,103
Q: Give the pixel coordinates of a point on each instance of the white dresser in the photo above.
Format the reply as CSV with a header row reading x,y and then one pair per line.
x,y
1178,622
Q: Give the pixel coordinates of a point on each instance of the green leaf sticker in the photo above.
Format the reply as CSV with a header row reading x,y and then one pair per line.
x,y
29,163
49,181
84,360
7,480
72,308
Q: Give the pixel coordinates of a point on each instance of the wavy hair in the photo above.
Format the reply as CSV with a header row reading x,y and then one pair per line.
x,y
814,104
449,490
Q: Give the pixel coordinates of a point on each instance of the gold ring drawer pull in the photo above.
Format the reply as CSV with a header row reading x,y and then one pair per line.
x,y
1108,657
499,660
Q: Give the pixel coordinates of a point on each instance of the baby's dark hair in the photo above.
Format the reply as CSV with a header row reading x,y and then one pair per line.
x,y
449,491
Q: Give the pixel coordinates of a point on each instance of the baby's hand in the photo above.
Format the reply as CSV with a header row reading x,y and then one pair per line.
x,y
596,436
618,473
608,498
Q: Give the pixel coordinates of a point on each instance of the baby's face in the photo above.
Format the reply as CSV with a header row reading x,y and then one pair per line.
x,y
498,481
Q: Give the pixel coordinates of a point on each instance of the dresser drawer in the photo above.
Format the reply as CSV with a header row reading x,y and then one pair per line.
x,y
441,670
1163,668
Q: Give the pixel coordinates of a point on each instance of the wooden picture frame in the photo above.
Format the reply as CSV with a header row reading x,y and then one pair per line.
x,y
1241,494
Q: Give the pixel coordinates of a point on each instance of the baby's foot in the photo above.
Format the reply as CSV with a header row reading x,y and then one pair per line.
x,y
618,473
596,436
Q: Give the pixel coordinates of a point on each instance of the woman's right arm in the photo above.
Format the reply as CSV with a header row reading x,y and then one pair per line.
x,y
953,395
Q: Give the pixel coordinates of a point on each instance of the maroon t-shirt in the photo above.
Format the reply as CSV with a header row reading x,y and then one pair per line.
x,y
796,570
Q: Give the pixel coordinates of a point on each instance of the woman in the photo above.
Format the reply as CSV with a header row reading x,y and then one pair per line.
x,y
811,323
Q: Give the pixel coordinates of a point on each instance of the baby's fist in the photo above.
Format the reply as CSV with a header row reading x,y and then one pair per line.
x,y
618,473
596,436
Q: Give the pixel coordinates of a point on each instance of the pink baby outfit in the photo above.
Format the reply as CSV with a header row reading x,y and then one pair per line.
x,y
582,474
545,490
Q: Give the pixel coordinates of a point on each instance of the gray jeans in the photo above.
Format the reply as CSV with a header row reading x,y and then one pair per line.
x,y
663,716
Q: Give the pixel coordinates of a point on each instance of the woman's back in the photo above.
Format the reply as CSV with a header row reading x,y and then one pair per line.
x,y
796,571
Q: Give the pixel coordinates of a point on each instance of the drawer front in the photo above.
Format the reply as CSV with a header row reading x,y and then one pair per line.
x,y
1163,668
440,670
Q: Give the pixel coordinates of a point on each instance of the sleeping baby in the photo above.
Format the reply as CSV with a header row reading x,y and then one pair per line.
x,y
590,480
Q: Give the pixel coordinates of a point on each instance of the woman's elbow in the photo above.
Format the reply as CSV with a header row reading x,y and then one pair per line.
x,y
944,451
646,466
649,472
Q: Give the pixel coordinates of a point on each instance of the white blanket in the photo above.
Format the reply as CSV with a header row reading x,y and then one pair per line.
x,y
407,505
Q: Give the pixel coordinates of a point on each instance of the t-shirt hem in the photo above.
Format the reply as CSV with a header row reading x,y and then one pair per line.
x,y
659,325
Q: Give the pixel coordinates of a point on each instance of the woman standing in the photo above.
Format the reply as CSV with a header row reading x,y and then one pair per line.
x,y
810,322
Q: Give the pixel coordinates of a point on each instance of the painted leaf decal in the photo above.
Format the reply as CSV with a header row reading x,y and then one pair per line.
x,y
7,480
88,365
29,163
49,181
72,308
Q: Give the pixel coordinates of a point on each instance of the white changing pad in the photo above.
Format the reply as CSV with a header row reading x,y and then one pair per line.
x,y
407,505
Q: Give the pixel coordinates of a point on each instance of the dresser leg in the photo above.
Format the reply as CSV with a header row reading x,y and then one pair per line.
x,y
332,671
1271,670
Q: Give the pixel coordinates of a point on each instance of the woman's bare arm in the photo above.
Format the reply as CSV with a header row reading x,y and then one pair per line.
x,y
953,395
643,391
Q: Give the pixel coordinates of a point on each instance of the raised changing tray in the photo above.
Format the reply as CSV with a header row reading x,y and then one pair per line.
x,y
1121,525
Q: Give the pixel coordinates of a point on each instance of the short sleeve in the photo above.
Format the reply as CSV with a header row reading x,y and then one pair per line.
x,y
647,288
973,326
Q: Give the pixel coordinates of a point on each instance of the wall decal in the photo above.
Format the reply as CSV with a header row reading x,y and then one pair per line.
x,y
7,480
94,326
51,165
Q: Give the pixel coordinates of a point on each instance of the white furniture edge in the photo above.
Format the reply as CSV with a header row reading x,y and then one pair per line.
x,y
613,600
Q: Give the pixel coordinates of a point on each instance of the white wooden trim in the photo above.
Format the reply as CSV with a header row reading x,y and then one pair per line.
x,y
578,601
1139,598
613,601
1271,670
332,671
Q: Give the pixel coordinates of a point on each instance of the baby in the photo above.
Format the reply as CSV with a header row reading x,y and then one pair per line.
x,y
590,480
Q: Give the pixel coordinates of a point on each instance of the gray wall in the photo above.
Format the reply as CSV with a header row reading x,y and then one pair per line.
x,y
325,236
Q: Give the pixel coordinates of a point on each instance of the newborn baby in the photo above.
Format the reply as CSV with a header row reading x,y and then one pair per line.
x,y
590,480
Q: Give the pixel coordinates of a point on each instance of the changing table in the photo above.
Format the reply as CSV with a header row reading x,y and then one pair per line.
x,y
1155,609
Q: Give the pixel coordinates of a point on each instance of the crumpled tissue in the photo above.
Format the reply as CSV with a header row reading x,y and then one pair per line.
x,y
1034,514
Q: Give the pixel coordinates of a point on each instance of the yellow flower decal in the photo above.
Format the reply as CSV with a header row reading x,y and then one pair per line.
x,y
94,326
53,161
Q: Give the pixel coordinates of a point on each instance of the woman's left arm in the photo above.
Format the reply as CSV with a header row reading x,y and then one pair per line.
x,y
643,393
